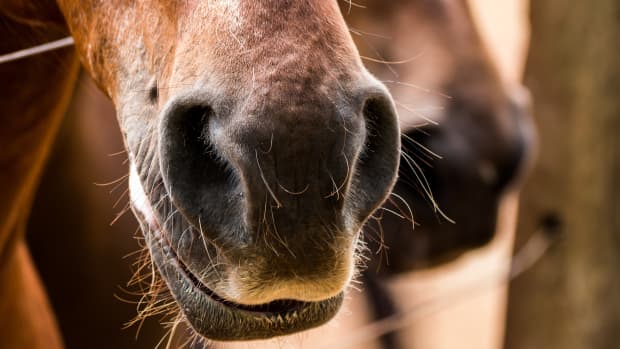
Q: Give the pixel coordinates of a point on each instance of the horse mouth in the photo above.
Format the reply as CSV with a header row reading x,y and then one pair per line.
x,y
211,315
216,318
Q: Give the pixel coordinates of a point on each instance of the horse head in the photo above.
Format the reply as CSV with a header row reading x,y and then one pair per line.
x,y
258,146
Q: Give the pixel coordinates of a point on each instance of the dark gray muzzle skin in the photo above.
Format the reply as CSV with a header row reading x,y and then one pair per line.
x,y
277,189
305,168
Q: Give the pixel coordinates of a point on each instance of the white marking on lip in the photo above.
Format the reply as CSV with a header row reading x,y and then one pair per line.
x,y
138,197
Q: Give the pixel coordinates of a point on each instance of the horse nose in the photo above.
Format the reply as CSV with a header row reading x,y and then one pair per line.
x,y
300,165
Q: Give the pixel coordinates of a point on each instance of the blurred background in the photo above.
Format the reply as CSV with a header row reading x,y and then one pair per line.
x,y
518,253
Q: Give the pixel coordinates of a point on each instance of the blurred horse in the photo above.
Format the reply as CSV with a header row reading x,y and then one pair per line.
x,y
216,102
467,143
466,136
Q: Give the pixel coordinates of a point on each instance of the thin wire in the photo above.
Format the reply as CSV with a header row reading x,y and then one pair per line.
x,y
35,50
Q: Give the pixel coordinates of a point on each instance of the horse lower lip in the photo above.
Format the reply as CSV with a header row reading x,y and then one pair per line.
x,y
277,309
217,319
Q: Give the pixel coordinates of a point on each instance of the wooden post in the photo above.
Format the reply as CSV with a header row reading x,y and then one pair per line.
x,y
571,298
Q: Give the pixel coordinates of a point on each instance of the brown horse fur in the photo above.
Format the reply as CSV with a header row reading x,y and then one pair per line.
x,y
217,102
44,84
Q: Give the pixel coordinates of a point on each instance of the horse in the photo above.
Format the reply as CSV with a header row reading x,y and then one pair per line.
x,y
468,142
442,38
258,147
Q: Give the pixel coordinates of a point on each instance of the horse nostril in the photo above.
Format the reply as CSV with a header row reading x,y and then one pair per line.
x,y
193,170
379,159
195,121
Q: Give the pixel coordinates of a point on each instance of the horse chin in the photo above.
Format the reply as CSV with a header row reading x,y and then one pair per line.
x,y
210,315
